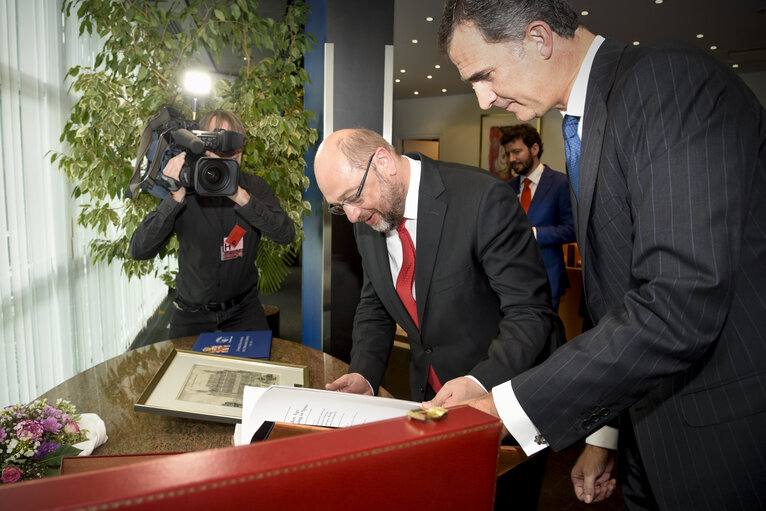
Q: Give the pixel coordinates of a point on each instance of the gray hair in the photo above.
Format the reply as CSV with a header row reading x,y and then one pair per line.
x,y
505,20
359,145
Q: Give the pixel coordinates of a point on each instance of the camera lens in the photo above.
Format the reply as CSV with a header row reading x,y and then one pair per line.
x,y
216,176
212,177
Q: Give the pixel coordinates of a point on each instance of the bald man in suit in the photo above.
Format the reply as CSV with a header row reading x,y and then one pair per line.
x,y
478,310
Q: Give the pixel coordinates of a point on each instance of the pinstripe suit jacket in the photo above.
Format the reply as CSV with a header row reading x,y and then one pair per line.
x,y
671,225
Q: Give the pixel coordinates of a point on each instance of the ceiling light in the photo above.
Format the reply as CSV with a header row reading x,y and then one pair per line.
x,y
416,93
714,47
584,13
735,66
429,76
414,41
437,66
429,18
700,36
444,90
402,70
397,80
657,1
636,43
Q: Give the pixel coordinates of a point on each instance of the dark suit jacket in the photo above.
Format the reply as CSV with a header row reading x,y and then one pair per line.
x,y
550,213
482,293
671,225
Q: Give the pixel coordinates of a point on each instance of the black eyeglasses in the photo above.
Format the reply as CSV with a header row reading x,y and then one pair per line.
x,y
337,209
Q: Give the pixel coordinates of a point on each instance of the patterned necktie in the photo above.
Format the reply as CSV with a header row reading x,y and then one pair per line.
x,y
572,150
404,289
526,196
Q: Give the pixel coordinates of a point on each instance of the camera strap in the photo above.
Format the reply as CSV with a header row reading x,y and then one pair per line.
x,y
147,137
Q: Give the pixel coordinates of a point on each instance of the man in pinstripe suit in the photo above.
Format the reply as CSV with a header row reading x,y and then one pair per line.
x,y
669,202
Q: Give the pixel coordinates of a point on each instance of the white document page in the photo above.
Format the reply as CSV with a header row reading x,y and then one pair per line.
x,y
297,405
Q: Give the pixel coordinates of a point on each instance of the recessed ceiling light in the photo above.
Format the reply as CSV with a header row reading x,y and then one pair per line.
x,y
584,13
402,70
437,66
700,36
636,43
444,90
397,80
416,93
429,76
714,47
414,41
429,18
735,66
657,1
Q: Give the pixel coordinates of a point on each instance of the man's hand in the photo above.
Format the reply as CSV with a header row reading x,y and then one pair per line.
x,y
591,474
173,171
241,196
354,383
455,392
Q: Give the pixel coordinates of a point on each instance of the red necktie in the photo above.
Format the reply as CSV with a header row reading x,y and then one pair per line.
x,y
404,289
526,196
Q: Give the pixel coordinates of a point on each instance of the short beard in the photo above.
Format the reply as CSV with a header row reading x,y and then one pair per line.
x,y
395,195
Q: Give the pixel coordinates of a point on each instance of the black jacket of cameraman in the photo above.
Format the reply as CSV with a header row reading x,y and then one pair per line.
x,y
213,293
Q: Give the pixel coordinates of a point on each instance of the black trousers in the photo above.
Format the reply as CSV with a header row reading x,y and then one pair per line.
x,y
246,315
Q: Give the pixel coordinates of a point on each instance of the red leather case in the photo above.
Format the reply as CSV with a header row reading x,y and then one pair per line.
x,y
394,464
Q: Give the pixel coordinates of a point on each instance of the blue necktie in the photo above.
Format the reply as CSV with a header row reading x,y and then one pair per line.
x,y
572,150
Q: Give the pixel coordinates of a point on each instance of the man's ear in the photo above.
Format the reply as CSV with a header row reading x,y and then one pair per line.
x,y
384,162
539,36
535,149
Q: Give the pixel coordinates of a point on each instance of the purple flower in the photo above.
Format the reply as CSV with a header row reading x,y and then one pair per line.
x,y
45,448
3,434
11,474
52,425
52,411
29,430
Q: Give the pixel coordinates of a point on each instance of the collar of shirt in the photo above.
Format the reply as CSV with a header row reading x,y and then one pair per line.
x,y
576,101
534,177
411,202
393,244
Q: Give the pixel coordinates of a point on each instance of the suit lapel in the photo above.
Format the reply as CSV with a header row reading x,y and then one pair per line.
x,y
431,213
600,82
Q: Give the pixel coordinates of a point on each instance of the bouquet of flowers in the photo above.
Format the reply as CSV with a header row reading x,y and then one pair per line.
x,y
34,438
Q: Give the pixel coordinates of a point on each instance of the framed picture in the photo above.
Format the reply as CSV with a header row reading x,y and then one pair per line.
x,y
492,155
209,387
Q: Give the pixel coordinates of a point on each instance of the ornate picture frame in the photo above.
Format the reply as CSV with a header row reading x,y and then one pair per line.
x,y
205,386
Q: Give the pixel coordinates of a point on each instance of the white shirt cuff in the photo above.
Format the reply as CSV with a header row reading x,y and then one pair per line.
x,y
477,382
516,419
605,437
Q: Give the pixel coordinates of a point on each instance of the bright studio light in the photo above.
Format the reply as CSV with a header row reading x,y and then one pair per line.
x,y
197,83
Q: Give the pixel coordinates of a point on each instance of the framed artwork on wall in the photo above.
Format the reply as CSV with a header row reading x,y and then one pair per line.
x,y
492,156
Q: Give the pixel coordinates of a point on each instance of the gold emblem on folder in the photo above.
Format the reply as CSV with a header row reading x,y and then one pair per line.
x,y
434,413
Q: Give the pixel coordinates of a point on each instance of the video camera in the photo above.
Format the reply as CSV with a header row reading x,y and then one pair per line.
x,y
167,134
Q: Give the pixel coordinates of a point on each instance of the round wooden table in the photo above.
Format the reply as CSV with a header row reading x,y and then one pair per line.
x,y
111,388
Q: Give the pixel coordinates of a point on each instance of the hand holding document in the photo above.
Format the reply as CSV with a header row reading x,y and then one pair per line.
x,y
297,405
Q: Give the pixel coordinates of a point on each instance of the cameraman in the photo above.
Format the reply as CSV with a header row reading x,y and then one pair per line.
x,y
216,280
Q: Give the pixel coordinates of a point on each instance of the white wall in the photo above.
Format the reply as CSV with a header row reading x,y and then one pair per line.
x,y
456,121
